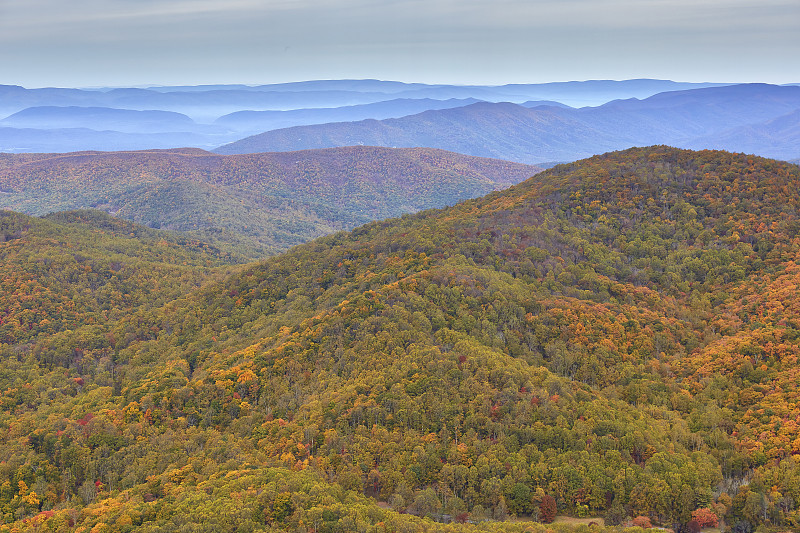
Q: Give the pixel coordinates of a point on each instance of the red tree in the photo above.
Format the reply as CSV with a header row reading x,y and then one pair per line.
x,y
705,517
547,509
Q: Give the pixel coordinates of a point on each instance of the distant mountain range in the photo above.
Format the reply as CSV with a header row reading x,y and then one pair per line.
x,y
264,203
200,105
502,130
529,123
211,101
28,140
99,118
756,118
778,137
260,121
76,128
64,120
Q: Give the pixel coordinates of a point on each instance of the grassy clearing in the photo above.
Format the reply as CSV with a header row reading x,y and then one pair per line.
x,y
578,521
567,520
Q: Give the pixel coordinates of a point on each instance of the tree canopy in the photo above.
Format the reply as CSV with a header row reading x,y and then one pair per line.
x,y
615,337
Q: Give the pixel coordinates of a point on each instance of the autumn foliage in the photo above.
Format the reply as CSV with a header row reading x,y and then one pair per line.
x,y
705,517
618,335
257,204
547,509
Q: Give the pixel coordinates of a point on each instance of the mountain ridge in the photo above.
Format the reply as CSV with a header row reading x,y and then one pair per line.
x,y
260,121
204,104
102,118
555,133
510,129
271,201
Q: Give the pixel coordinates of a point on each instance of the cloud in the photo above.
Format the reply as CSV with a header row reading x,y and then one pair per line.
x,y
619,14
284,38
412,16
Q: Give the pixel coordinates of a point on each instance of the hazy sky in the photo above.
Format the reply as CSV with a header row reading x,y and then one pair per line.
x,y
139,42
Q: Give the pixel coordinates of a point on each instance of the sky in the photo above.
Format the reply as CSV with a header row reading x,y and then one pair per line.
x,y
85,43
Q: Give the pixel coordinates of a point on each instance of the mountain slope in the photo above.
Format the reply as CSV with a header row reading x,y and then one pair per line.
x,y
778,137
618,334
260,121
79,268
265,202
681,116
516,132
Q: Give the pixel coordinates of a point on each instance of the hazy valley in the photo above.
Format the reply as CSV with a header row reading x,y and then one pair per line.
x,y
531,124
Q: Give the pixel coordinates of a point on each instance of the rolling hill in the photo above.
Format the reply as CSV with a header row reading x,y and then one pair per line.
x,y
614,337
489,129
99,118
695,118
35,140
264,202
260,121
778,137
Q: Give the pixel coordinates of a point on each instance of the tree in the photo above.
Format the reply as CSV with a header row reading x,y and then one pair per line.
x,y
547,509
616,513
426,502
282,507
755,508
520,500
705,517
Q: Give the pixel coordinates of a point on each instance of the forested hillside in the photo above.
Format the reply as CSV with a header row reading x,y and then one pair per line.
x,y
614,338
84,268
254,204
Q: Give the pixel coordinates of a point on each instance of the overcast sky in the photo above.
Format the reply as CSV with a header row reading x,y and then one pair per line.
x,y
138,42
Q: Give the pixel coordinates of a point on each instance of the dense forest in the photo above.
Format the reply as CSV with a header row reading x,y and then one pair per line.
x,y
615,338
252,205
